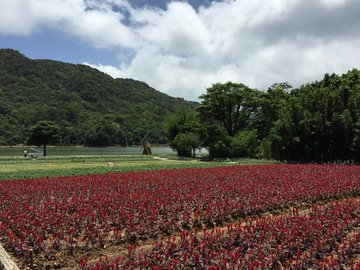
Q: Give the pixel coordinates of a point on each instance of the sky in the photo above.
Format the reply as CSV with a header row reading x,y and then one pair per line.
x,y
181,48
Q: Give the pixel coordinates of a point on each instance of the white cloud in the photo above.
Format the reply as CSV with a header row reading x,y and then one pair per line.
x,y
234,44
112,71
15,18
333,3
182,51
103,29
178,30
91,21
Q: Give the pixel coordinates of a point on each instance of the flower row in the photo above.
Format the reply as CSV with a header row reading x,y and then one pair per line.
x,y
321,238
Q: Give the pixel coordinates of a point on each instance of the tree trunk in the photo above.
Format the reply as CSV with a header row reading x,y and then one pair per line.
x,y
44,150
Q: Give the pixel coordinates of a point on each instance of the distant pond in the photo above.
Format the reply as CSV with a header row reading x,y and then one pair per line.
x,y
77,150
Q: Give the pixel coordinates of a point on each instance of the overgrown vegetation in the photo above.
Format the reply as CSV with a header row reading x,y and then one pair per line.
x,y
317,122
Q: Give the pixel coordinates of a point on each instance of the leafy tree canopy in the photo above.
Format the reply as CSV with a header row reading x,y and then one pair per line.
x,y
230,104
44,133
185,133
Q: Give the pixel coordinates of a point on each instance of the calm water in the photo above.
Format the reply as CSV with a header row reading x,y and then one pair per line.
x,y
74,151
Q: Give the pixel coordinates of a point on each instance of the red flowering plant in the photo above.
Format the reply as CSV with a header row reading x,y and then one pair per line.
x,y
74,215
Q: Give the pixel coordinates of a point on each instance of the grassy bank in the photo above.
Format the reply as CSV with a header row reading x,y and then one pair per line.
x,y
19,168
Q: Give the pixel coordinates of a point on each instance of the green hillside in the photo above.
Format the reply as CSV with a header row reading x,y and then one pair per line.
x,y
90,106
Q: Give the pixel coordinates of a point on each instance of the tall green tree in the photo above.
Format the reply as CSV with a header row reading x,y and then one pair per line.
x,y
227,109
44,133
270,104
232,105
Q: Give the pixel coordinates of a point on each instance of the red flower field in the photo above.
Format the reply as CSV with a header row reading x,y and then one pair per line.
x,y
239,217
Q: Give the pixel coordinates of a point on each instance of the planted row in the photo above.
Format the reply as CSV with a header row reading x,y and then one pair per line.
x,y
324,237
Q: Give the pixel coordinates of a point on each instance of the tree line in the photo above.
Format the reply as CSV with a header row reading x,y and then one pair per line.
x,y
317,122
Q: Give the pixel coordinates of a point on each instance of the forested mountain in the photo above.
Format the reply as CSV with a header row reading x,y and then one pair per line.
x,y
89,106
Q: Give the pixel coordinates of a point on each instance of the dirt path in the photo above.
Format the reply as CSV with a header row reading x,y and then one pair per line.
x,y
161,158
174,160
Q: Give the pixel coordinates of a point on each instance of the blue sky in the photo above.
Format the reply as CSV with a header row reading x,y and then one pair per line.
x,y
47,44
183,47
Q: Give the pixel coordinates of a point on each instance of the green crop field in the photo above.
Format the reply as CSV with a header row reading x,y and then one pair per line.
x,y
51,166
16,168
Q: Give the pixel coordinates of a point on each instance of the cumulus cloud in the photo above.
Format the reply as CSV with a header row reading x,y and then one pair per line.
x,y
15,18
110,70
183,49
92,21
